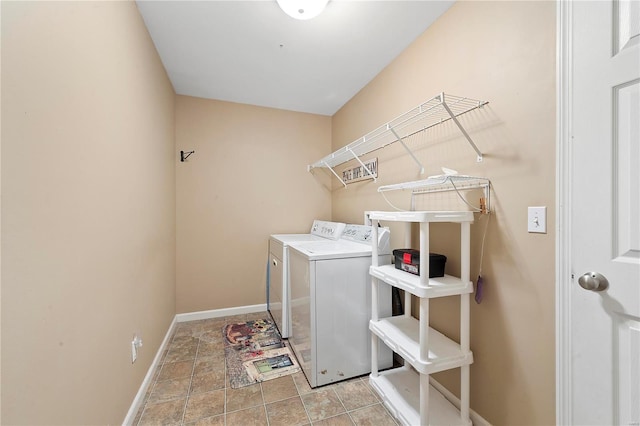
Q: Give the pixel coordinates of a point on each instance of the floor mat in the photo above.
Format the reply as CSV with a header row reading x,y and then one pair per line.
x,y
255,352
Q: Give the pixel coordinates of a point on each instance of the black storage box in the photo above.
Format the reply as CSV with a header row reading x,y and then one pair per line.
x,y
408,260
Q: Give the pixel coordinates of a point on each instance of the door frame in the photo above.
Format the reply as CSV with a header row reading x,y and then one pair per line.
x,y
564,92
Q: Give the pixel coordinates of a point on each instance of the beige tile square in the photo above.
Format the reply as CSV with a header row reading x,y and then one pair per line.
x,y
181,353
355,394
245,397
373,391
207,365
301,383
211,336
278,389
165,413
341,420
374,415
211,350
181,342
182,329
209,421
288,412
175,370
205,382
204,405
170,389
322,404
255,416
215,324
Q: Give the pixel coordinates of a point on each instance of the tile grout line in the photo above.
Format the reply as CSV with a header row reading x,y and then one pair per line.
x,y
264,405
304,406
193,369
225,372
343,406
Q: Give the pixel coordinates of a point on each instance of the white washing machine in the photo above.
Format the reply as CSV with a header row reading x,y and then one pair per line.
x,y
331,305
277,277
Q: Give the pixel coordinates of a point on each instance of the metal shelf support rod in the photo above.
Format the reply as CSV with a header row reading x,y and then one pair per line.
x,y
464,132
363,165
407,149
334,173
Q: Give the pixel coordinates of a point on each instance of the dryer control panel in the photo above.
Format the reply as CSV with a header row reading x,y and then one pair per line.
x,y
329,230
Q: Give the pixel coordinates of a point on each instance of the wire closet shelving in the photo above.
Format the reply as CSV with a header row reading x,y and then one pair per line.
x,y
437,110
445,183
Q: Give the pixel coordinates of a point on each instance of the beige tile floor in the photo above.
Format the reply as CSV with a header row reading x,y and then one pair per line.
x,y
191,387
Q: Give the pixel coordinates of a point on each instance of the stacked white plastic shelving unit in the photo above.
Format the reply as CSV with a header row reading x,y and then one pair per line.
x,y
407,390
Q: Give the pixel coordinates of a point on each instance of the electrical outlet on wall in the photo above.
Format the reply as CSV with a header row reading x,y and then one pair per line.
x,y
136,344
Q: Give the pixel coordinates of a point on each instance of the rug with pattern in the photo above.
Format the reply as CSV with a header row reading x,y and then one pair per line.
x,y
255,352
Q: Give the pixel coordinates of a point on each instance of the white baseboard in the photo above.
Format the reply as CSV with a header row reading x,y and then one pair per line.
x,y
139,399
190,316
217,313
476,418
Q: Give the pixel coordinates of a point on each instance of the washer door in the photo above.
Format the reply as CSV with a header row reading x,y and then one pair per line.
x,y
276,296
300,272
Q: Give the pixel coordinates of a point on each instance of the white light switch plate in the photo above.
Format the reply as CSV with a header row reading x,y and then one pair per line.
x,y
537,220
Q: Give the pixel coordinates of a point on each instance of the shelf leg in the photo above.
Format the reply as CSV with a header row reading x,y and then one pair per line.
x,y
407,304
465,317
424,329
464,323
464,393
407,235
424,256
374,355
374,298
407,244
465,251
424,399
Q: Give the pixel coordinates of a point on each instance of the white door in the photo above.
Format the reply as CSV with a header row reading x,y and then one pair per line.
x,y
604,215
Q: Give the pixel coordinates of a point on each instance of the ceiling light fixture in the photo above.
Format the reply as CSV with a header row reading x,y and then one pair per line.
x,y
302,9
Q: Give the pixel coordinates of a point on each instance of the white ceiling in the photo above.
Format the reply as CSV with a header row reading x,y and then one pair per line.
x,y
251,52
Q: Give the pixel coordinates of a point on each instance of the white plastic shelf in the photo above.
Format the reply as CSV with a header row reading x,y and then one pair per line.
x,y
401,334
400,391
436,287
423,216
407,391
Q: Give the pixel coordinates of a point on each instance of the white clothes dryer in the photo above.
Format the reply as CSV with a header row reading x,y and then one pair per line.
x,y
277,276
331,305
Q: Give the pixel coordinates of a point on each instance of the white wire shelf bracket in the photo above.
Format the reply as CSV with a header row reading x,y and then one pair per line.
x,y
445,183
437,110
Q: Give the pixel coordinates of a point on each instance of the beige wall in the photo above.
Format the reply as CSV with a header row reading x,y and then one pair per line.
x,y
503,52
89,249
247,179
88,209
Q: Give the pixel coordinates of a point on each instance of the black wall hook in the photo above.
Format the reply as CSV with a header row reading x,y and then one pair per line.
x,y
184,155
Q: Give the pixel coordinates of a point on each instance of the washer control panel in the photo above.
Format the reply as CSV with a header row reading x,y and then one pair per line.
x,y
362,234
329,230
357,233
